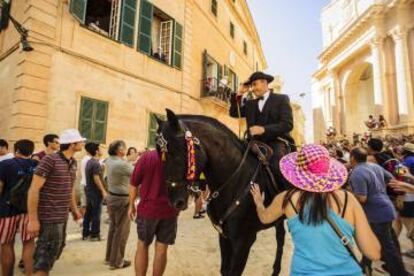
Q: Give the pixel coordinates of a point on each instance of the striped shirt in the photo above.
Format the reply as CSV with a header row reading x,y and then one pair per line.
x,y
56,194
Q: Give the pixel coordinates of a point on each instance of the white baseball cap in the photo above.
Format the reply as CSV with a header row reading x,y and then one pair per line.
x,y
70,136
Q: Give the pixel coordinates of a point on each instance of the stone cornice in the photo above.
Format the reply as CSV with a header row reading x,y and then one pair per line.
x,y
351,31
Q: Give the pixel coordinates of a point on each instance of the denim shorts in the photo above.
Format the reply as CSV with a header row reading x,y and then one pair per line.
x,y
49,245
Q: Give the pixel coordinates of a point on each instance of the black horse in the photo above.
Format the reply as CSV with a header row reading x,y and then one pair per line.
x,y
221,156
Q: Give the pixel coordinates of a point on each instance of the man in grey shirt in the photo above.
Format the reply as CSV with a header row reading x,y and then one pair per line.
x,y
118,173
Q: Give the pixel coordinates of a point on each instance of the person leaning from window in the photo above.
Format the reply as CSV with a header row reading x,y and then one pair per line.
x,y
317,195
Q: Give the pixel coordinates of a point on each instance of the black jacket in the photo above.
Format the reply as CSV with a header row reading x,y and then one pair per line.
x,y
277,114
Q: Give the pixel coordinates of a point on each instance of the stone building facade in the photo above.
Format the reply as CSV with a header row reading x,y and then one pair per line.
x,y
366,67
108,68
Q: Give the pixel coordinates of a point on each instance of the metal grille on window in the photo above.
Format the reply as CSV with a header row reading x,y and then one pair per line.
x,y
166,39
115,16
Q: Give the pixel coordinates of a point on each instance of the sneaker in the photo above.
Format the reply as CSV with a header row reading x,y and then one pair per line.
x,y
95,239
124,265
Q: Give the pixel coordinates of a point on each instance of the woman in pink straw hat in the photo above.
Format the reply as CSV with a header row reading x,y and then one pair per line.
x,y
325,221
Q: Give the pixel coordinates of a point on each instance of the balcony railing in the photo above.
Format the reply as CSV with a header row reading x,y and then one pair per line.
x,y
210,87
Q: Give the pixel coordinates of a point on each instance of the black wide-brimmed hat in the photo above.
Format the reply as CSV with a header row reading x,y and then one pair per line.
x,y
259,76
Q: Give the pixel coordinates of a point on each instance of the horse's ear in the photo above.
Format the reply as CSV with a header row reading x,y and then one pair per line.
x,y
172,120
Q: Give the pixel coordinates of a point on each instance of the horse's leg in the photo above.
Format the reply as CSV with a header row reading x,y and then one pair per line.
x,y
241,248
226,252
280,240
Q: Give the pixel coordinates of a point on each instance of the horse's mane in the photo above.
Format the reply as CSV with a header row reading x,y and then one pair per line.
x,y
217,124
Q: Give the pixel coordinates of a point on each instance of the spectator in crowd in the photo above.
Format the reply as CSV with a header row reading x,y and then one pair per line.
x,y
119,172
51,142
4,150
368,183
382,123
154,215
13,218
132,155
82,182
376,153
95,194
51,196
371,123
313,208
408,156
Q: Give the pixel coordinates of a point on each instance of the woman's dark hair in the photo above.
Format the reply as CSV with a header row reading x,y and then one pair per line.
x,y
318,204
114,146
131,149
24,147
92,148
375,144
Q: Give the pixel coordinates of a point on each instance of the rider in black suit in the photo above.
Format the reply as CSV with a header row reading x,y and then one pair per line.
x,y
269,116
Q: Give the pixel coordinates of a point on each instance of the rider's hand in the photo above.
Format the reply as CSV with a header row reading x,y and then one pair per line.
x,y
258,197
256,130
242,89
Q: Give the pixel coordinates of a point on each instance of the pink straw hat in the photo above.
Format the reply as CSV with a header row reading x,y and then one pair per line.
x,y
312,169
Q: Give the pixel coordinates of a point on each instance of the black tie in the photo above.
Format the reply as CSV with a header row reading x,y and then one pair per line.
x,y
260,98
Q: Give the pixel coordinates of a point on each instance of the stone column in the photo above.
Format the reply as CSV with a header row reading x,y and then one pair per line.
x,y
405,99
377,72
337,105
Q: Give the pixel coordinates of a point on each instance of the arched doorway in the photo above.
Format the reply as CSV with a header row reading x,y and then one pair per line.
x,y
359,98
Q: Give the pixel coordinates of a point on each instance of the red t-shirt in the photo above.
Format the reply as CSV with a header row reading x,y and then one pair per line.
x,y
149,175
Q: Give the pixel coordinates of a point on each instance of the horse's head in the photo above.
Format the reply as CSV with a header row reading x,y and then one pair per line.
x,y
183,158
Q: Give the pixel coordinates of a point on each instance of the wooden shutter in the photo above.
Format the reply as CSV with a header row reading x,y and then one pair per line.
x,y
178,45
86,118
145,23
128,22
226,70
100,121
219,72
78,9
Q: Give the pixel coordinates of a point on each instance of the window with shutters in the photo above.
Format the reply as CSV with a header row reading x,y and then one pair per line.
x,y
152,128
114,19
160,36
214,7
4,13
93,118
232,80
231,30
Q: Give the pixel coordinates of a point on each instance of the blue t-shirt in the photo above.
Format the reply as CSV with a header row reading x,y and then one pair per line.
x,y
11,171
369,180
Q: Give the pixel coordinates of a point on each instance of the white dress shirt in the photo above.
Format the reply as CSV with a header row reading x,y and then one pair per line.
x,y
262,102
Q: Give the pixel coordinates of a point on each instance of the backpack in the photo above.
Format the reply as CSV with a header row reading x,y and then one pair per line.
x,y
19,192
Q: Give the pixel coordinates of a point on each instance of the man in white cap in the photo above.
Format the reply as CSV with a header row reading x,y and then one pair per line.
x,y
50,197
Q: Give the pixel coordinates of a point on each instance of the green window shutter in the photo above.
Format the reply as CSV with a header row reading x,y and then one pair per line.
x,y
178,45
86,118
93,119
236,84
128,21
4,15
145,23
100,121
152,128
78,9
204,64
214,7
226,71
219,72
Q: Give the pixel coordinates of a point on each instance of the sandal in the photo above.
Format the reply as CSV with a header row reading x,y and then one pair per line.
x,y
124,265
